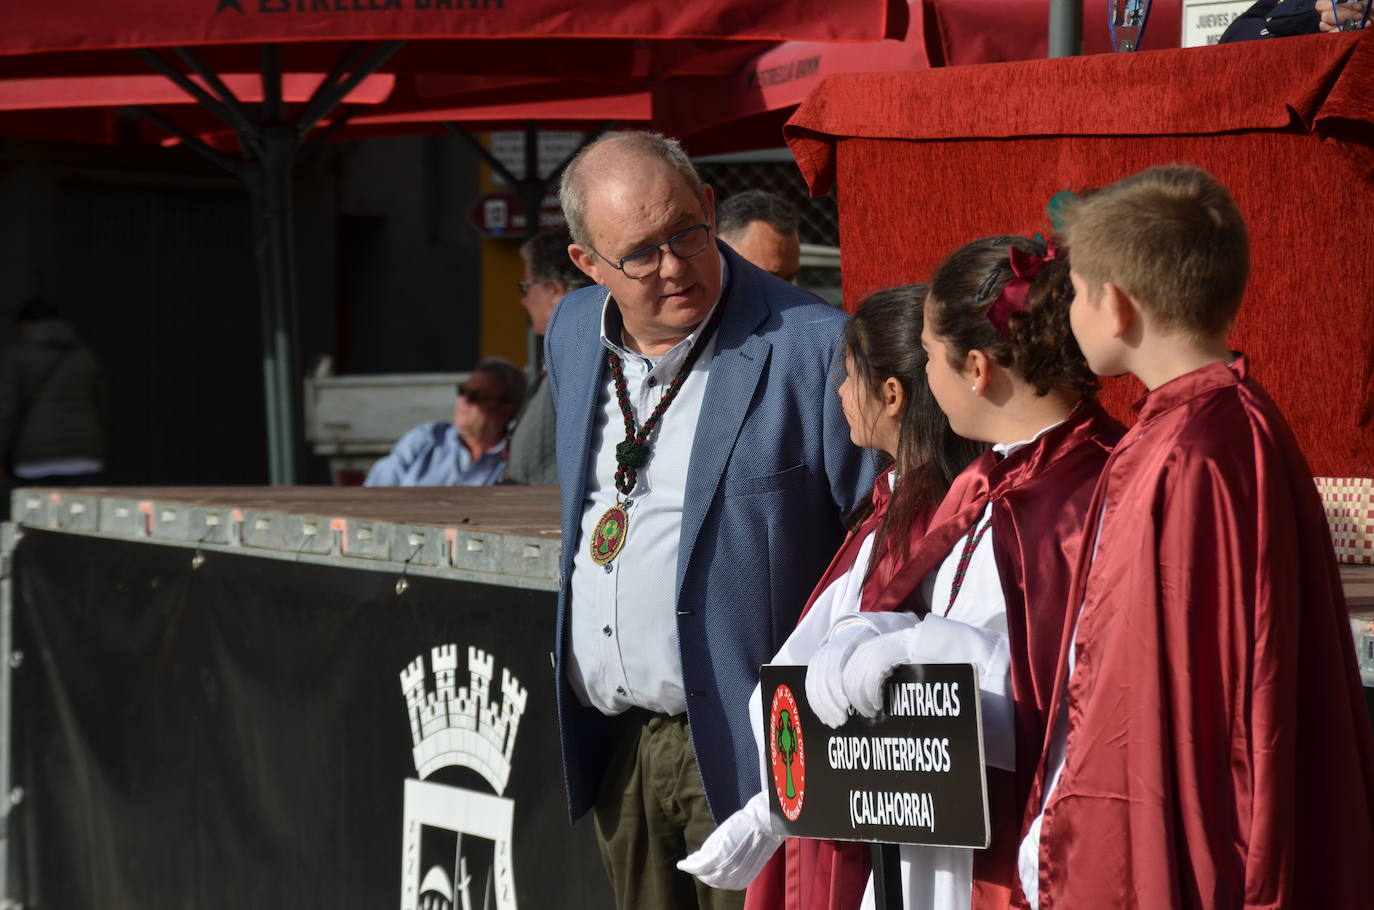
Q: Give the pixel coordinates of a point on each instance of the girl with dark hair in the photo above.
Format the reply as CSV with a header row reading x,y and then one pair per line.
x,y
988,581
889,408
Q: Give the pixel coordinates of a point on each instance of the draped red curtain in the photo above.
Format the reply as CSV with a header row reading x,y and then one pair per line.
x,y
923,162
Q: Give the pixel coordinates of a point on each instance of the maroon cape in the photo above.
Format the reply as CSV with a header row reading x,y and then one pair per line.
x,y
1219,753
1040,497
848,553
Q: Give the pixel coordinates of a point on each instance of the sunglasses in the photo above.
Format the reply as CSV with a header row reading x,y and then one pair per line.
x,y
476,396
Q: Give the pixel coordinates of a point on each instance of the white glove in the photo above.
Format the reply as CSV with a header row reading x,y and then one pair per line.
x,y
737,850
871,664
825,671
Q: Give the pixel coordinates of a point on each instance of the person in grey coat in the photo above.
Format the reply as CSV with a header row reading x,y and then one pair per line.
x,y
52,403
549,275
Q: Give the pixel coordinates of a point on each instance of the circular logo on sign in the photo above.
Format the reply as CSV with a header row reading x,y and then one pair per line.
x,y
787,752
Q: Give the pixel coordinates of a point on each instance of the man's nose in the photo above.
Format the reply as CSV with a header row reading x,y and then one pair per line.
x,y
670,264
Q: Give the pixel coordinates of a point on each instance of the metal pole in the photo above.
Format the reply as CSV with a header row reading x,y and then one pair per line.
x,y
532,191
887,877
269,183
9,794
269,152
1066,28
481,151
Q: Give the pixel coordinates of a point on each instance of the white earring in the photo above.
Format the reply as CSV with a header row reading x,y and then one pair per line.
x,y
973,388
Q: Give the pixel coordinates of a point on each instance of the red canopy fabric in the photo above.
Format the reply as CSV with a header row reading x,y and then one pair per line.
x,y
925,161
732,112
524,94
575,114
996,31
85,108
70,25
630,107
116,91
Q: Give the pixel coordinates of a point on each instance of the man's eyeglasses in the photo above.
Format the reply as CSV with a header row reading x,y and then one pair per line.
x,y
685,244
476,396
525,286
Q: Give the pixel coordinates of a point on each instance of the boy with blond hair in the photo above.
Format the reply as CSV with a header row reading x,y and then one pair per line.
x,y
1211,746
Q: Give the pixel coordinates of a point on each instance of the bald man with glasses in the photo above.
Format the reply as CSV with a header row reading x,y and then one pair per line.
x,y
706,470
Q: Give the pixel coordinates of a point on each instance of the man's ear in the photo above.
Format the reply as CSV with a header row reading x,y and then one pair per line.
x,y
708,204
586,261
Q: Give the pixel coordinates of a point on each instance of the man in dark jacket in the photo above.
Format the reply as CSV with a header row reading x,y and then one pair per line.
x,y
1281,18
52,403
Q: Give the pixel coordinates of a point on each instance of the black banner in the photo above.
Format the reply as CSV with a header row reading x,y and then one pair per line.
x,y
236,732
912,775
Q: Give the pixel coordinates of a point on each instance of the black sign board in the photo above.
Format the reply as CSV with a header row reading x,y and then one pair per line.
x,y
913,775
244,731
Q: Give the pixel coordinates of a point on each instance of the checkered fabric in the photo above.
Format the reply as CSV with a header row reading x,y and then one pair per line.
x,y
1349,505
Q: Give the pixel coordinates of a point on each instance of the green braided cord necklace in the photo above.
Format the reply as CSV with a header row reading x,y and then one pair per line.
x,y
608,538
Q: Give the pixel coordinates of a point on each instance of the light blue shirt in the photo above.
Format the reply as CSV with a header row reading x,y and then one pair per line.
x,y
432,455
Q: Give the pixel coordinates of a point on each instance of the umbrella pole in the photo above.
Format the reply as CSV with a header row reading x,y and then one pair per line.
x,y
269,148
274,143
269,185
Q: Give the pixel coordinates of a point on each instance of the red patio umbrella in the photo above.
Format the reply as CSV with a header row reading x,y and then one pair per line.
x,y
93,91
353,39
79,25
90,108
747,108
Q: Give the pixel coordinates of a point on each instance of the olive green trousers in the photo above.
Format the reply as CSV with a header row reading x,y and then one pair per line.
x,y
651,812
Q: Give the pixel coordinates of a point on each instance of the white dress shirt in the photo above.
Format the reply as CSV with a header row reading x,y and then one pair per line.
x,y
624,646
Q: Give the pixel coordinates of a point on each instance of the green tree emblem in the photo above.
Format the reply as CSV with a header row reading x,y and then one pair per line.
x,y
610,532
787,745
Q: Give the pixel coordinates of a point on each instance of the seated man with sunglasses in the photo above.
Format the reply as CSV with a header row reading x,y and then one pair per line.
x,y
470,451
705,469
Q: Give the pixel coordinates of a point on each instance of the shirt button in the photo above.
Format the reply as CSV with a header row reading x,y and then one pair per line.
x,y
652,381
619,690
607,567
606,631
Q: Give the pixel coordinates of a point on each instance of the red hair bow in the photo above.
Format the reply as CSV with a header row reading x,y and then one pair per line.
x,y
1024,267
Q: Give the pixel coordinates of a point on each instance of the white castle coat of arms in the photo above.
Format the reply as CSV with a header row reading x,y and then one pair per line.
x,y
457,841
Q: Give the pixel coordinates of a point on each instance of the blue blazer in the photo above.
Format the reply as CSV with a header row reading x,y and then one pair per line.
x,y
772,477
